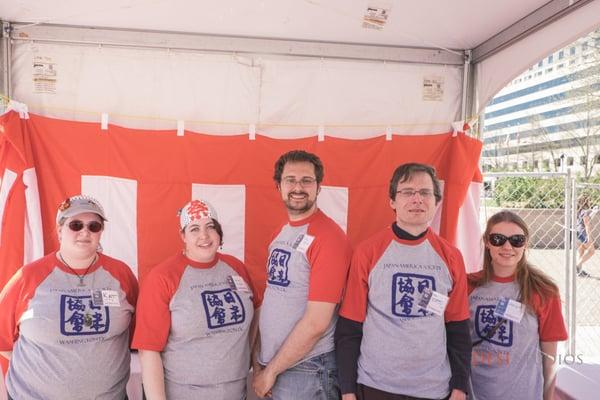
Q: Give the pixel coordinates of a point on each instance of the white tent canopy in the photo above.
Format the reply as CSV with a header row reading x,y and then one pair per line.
x,y
285,68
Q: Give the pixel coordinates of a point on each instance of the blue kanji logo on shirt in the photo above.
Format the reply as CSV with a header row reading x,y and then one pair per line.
x,y
485,321
223,308
278,267
406,292
79,316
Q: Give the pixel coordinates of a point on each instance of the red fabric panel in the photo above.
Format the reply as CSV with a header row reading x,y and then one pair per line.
x,y
165,166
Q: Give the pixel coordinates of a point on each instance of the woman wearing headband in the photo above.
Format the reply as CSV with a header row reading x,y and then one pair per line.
x,y
66,317
194,317
516,318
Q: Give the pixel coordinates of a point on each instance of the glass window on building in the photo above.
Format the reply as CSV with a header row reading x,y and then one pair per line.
x,y
541,112
546,165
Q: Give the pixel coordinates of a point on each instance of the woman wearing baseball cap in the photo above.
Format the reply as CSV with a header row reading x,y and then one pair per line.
x,y
194,317
66,317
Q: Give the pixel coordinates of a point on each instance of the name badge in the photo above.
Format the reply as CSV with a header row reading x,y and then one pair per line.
x,y
238,283
509,309
105,298
303,242
434,302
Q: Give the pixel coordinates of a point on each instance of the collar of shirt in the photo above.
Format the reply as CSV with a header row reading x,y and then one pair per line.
x,y
402,234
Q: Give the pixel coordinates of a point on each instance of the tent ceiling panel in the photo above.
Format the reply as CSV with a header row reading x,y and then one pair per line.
x,y
460,24
506,35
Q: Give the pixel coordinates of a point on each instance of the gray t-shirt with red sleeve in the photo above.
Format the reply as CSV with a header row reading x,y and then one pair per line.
x,y
198,315
403,349
308,261
68,340
507,364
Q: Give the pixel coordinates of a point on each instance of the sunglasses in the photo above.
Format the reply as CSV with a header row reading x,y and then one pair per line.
x,y
497,240
93,226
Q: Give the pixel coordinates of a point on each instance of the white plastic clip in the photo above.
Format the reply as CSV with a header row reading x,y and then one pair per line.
x,y
252,132
457,126
388,133
180,127
321,133
104,122
20,108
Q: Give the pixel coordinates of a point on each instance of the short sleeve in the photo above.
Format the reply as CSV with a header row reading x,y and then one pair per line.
x,y
550,319
15,297
329,259
10,304
153,316
354,305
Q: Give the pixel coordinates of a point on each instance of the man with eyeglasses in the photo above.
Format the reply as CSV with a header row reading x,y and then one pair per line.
x,y
403,329
306,273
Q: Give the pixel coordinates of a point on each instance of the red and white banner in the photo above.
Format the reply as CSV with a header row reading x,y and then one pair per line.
x,y
143,177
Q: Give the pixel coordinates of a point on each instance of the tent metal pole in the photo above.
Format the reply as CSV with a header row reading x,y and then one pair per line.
x,y
47,33
466,86
543,16
6,56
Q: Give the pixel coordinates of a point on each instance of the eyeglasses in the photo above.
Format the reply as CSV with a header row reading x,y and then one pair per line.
x,y
304,182
497,240
77,225
408,193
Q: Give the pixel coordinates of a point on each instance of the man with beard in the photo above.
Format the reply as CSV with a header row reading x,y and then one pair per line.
x,y
306,273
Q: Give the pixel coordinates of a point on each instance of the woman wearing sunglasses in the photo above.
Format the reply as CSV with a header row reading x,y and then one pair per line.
x,y
66,317
516,318
195,315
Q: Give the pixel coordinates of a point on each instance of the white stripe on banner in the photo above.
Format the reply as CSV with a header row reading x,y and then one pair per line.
x,y
333,200
8,180
34,237
468,231
230,204
118,197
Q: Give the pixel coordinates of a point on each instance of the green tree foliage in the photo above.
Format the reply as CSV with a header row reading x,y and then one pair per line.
x,y
528,192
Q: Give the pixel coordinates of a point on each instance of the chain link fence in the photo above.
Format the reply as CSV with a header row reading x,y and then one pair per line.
x,y
552,205
586,262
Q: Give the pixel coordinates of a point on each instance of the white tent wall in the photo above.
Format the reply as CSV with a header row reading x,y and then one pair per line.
x,y
493,73
225,93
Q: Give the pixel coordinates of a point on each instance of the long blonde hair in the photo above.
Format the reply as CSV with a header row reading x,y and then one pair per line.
x,y
529,278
